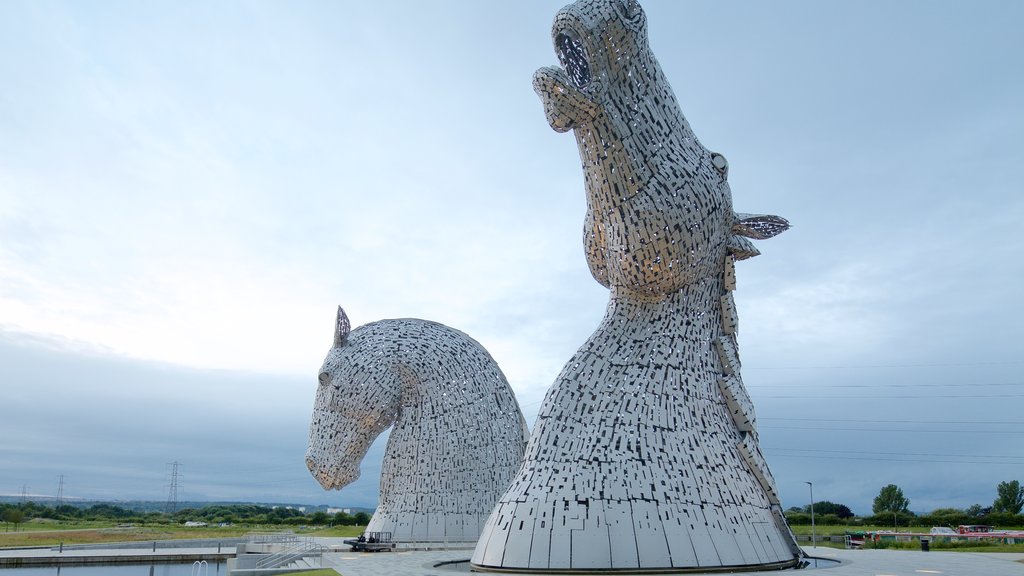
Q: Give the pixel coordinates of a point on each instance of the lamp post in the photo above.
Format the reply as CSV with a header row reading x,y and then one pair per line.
x,y
814,539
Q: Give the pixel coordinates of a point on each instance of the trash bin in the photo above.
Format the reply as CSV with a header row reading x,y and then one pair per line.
x,y
924,544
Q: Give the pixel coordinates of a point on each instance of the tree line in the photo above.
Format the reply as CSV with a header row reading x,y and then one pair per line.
x,y
246,514
892,508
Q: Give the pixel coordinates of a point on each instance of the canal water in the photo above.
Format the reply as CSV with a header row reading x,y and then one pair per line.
x,y
189,569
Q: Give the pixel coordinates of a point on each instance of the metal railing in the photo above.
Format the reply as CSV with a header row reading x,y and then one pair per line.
x,y
300,548
158,544
271,537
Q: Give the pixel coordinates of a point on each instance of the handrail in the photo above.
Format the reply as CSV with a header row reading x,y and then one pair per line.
x,y
270,537
300,549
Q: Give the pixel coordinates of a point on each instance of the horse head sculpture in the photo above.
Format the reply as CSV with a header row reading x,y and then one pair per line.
x,y
643,166
357,400
458,433
645,455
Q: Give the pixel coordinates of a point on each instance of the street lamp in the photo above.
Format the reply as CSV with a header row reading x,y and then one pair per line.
x,y
814,539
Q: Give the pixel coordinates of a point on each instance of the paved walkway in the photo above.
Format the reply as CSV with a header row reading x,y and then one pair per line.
x,y
854,563
53,556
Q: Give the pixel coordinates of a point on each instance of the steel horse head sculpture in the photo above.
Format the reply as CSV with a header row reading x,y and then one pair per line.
x,y
457,436
644,456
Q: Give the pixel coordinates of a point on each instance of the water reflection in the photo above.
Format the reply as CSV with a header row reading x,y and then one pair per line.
x,y
186,569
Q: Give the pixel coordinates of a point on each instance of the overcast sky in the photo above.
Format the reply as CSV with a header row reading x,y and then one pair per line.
x,y
188,189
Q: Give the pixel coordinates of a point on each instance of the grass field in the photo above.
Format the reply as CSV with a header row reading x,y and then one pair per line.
x,y
40,524
51,533
915,545
953,547
842,529
341,531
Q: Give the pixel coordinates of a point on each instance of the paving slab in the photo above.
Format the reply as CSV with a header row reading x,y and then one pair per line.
x,y
852,563
419,563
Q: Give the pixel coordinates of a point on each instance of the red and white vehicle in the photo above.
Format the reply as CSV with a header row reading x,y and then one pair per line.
x,y
984,531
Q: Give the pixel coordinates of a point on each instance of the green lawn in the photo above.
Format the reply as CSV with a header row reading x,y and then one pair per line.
x,y
915,545
52,533
949,546
842,529
42,524
341,531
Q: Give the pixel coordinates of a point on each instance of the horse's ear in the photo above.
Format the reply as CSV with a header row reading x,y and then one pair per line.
x,y
759,226
341,327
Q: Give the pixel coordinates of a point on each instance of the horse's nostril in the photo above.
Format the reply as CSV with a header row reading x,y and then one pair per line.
x,y
324,378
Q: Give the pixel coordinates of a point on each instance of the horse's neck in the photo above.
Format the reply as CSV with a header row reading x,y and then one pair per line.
x,y
692,305
423,423
420,380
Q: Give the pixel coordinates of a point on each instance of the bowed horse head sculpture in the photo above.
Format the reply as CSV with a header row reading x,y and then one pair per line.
x,y
457,436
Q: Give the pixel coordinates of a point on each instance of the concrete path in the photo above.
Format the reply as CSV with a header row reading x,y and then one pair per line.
x,y
54,557
854,563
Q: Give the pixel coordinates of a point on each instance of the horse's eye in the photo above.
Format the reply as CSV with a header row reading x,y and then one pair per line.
x,y
628,8
324,378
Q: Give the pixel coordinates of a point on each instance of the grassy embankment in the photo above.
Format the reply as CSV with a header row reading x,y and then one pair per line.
x,y
914,545
53,532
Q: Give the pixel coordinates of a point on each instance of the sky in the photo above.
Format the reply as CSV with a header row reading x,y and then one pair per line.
x,y
188,190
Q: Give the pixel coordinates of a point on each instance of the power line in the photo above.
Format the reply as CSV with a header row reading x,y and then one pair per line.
x,y
925,385
870,459
1008,422
252,484
923,365
904,430
877,453
892,396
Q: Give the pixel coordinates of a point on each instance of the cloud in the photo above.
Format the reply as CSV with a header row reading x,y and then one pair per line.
x,y
112,424
186,196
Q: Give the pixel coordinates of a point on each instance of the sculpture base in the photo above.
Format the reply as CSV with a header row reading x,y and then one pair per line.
x,y
697,569
636,461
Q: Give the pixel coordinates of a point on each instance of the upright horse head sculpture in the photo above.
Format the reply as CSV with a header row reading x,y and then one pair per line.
x,y
458,433
645,454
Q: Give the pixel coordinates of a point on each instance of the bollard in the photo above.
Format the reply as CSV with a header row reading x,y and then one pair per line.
x,y
154,546
61,551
